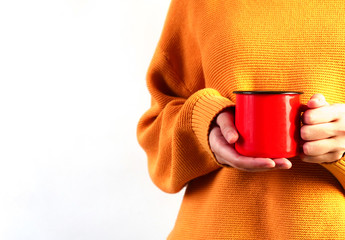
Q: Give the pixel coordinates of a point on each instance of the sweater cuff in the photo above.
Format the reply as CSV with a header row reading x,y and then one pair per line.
x,y
208,105
337,169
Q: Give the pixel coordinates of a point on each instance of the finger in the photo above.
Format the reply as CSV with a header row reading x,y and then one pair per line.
x,y
316,101
318,131
226,154
225,121
324,114
324,158
218,144
282,163
250,164
323,146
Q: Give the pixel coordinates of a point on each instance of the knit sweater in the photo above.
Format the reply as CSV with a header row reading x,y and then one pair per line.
x,y
207,50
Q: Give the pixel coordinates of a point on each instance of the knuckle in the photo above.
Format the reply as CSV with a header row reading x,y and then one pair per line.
x,y
338,155
340,129
213,141
215,145
339,143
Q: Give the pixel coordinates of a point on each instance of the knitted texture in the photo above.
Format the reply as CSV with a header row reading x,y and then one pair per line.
x,y
207,50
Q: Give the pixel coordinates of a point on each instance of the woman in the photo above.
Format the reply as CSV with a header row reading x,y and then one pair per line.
x,y
207,50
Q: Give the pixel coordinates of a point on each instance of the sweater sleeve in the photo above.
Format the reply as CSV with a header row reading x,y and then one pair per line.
x,y
337,169
174,131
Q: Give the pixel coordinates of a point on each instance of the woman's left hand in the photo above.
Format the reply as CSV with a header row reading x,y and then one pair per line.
x,y
323,131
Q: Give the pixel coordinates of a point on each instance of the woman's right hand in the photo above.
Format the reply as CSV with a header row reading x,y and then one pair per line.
x,y
222,137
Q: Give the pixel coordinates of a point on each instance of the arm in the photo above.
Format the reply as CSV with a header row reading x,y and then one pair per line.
x,y
174,131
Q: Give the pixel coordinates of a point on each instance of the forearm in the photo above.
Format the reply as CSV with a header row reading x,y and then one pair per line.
x,y
175,139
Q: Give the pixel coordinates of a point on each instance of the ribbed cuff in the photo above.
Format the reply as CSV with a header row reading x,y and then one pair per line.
x,y
206,108
337,169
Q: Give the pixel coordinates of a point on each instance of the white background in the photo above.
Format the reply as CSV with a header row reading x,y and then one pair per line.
x,y
72,88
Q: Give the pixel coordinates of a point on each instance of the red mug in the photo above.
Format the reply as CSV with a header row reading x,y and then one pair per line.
x,y
268,123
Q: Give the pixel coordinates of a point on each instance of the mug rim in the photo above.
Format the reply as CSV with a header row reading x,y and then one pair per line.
x,y
267,92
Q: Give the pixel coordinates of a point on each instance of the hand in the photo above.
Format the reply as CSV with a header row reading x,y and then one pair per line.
x,y
222,138
324,131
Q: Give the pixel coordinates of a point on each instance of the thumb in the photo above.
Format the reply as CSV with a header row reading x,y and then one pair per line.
x,y
225,121
316,101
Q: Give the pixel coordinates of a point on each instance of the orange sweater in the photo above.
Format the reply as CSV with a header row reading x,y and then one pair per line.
x,y
207,50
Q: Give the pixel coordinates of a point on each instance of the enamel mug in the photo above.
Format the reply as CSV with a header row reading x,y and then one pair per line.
x,y
268,123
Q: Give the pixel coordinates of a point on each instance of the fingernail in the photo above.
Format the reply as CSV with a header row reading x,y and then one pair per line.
x,y
284,166
270,164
